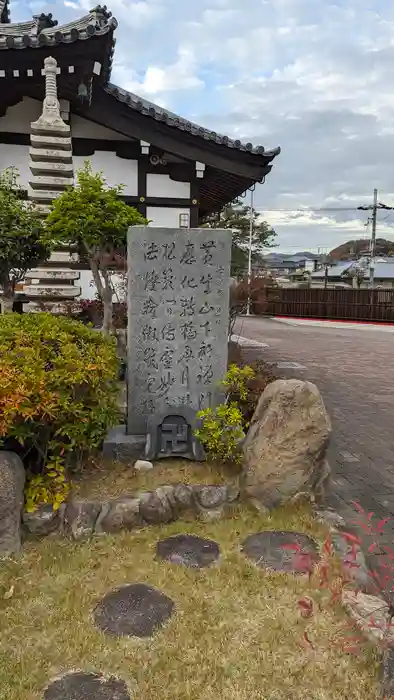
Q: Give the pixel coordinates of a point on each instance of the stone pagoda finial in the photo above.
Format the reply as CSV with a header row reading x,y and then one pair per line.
x,y
50,117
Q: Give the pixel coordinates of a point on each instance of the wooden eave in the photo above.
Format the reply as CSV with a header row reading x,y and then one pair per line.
x,y
230,171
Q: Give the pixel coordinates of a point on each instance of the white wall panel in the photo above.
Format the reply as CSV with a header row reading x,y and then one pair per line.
x,y
165,216
117,171
163,186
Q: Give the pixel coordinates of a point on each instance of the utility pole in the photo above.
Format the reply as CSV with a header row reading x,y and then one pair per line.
x,y
375,206
251,226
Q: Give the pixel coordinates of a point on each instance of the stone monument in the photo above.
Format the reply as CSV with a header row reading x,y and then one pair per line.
x,y
178,307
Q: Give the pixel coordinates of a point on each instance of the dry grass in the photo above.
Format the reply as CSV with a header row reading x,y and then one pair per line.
x,y
101,480
235,633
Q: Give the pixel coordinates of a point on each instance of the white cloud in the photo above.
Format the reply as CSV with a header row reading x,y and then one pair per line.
x,y
180,75
313,77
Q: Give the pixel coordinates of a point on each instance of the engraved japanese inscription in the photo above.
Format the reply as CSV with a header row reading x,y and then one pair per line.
x,y
177,320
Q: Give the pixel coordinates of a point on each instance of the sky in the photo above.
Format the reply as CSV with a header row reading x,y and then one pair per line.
x,y
312,76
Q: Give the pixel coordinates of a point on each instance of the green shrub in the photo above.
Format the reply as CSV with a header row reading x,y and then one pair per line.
x,y
58,396
221,432
222,428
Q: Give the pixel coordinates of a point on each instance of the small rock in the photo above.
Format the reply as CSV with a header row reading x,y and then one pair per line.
x,y
388,673
362,607
12,481
210,496
330,518
142,465
80,518
44,521
155,508
122,514
233,492
211,514
184,497
355,568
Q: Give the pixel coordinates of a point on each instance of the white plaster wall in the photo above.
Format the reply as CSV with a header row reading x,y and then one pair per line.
x,y
117,171
88,291
165,216
19,117
83,128
17,156
163,186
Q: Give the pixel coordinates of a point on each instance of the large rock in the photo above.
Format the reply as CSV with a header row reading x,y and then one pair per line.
x,y
285,449
12,481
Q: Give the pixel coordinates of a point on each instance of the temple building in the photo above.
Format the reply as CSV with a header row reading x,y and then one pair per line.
x,y
58,108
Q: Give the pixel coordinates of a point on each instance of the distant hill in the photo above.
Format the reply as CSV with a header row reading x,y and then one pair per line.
x,y
353,249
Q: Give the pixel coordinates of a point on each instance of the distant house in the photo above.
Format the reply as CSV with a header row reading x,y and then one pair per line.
x,y
355,274
384,274
335,275
289,266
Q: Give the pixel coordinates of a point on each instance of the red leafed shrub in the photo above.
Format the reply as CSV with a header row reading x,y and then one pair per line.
x,y
326,576
91,311
258,294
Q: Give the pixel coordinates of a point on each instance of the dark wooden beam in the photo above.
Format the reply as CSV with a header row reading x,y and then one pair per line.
x,y
141,187
194,195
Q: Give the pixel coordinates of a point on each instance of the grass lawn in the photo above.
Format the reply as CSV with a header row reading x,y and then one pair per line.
x,y
235,634
103,480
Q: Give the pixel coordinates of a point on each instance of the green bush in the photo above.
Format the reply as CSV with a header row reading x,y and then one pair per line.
x,y
58,396
221,432
222,428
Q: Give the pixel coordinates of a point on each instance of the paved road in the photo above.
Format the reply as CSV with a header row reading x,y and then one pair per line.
x,y
354,369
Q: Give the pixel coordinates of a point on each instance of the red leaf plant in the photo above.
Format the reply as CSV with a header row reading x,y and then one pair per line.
x,y
350,638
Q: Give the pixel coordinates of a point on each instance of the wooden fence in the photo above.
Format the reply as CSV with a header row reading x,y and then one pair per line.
x,y
344,304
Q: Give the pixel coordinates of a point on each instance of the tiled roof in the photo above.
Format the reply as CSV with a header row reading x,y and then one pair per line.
x,y
43,31
383,270
333,271
163,115
4,12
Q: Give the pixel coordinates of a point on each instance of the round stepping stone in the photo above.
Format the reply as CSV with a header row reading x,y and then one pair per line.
x,y
136,610
189,550
267,550
87,686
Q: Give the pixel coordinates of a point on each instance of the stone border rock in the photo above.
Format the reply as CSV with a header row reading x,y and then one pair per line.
x,y
81,519
363,605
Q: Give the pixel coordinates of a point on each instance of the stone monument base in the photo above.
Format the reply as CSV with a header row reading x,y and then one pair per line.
x,y
122,447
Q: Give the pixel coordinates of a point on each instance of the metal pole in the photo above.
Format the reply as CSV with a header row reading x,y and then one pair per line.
x,y
373,240
250,252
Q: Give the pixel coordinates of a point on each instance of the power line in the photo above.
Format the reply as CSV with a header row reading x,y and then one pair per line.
x,y
313,209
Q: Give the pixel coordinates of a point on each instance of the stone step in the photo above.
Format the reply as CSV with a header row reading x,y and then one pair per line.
x,y
53,183
58,128
41,290
41,209
55,169
63,256
49,141
44,195
52,274
50,154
